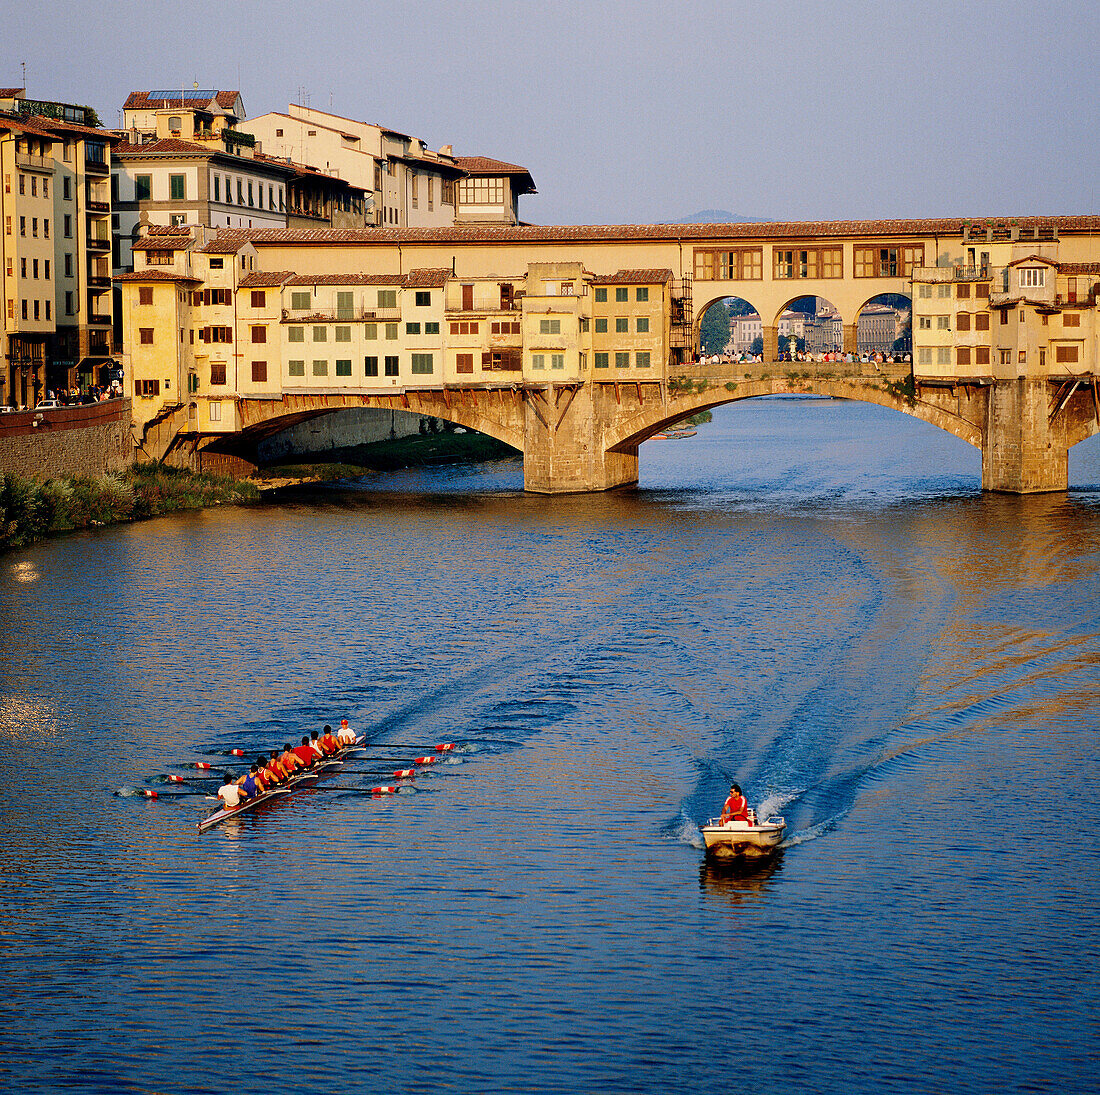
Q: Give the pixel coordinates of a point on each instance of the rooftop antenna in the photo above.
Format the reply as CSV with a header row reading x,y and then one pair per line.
x,y
24,75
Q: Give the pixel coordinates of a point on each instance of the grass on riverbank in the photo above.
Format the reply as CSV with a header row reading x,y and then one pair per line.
x,y
31,511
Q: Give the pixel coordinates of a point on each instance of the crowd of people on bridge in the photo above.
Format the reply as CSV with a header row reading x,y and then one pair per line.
x,y
819,357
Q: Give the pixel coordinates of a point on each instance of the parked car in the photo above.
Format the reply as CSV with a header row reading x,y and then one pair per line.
x,y
47,405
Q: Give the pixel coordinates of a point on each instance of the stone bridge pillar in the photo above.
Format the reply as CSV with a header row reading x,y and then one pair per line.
x,y
564,427
851,338
1021,454
770,336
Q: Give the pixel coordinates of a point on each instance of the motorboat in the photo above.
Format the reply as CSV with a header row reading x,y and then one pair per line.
x,y
744,839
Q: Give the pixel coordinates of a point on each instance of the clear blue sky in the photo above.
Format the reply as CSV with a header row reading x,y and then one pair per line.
x,y
645,111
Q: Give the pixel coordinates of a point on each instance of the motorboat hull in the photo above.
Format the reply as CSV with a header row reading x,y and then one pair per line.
x,y
739,839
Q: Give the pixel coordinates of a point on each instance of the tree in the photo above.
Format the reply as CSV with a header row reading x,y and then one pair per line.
x,y
714,330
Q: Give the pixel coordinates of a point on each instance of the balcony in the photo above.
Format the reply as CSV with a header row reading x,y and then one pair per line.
x,y
95,166
99,243
99,281
340,315
33,163
95,320
972,273
95,206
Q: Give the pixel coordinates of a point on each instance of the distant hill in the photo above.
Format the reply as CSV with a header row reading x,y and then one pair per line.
x,y
720,216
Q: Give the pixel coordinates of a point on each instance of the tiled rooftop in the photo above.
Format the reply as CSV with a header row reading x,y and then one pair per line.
x,y
634,277
155,274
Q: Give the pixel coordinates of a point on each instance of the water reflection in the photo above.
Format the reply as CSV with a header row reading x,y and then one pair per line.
x,y
737,880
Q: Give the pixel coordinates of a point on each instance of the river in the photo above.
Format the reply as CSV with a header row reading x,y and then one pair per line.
x,y
812,597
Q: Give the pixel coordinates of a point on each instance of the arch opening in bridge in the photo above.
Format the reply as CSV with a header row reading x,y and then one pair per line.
x,y
727,327
884,326
808,325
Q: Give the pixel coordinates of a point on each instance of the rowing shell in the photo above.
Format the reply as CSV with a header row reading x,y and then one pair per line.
x,y
282,791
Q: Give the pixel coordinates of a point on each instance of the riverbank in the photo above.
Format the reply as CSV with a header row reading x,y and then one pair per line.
x,y
32,511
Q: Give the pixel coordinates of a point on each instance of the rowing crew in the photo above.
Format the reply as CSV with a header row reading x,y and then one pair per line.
x,y
269,772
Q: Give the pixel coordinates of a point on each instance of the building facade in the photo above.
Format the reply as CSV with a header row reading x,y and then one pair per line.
x,y
55,211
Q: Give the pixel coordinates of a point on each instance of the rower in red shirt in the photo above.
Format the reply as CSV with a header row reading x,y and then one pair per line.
x,y
275,770
735,808
306,753
290,760
328,743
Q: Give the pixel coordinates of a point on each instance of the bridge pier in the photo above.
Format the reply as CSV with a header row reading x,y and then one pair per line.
x,y
564,427
851,338
1023,452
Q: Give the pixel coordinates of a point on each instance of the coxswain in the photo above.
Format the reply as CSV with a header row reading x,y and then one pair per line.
x,y
735,808
306,753
345,735
230,792
329,744
252,786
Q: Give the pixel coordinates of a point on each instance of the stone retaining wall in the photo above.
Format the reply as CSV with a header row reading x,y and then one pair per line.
x,y
85,440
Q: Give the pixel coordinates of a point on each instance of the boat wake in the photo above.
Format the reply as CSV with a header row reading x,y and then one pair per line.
x,y
687,832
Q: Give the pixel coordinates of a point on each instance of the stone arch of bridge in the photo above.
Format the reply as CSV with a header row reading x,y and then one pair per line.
x,y
794,299
498,413
964,418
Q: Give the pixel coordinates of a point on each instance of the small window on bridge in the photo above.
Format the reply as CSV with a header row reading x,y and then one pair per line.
x,y
387,298
343,334
259,372
641,359
299,301
391,331
391,365
622,325
622,360
422,363
557,361
370,331
320,368
295,334
296,368
370,366
464,363
601,295
423,298
621,295
600,361
343,366
320,334
643,294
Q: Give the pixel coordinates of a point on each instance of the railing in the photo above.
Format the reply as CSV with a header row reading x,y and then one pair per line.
x,y
335,315
33,163
99,281
99,320
102,243
101,167
96,206
972,273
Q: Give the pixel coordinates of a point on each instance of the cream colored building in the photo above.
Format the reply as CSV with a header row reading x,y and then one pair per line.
x,y
55,213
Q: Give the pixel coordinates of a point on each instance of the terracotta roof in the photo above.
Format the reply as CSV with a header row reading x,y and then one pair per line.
x,y
1033,258
166,230
260,280
768,230
155,275
483,165
347,279
140,100
162,243
305,169
427,279
39,123
11,92
1072,268
224,245
634,277
163,147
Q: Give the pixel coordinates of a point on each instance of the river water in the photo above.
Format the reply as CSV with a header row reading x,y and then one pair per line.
x,y
812,597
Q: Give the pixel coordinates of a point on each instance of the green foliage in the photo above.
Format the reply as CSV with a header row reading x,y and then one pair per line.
x,y
731,386
714,331
903,389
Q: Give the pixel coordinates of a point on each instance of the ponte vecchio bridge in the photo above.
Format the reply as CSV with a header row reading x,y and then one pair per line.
x,y
575,344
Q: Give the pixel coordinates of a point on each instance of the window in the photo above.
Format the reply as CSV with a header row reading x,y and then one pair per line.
x,y
423,298
1066,355
943,323
981,321
924,355
257,298
251,202
962,321
943,290
259,334
744,264
601,361
464,363
217,373
924,323
296,368
981,355
641,359
69,303
259,372
159,258
481,191
23,268
240,192
415,182
391,366
421,363
217,188
176,187
391,331
642,294
343,366
22,184
22,226
431,328
320,368
295,334
145,336
1071,319
299,301
962,355
371,366
218,264
601,325
621,295
622,325
215,410
143,188
145,294
962,291
387,298
622,360
887,262
557,361
601,295
538,361
320,334
343,334
549,326
412,328
345,305
148,388
818,262
924,292
1032,277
